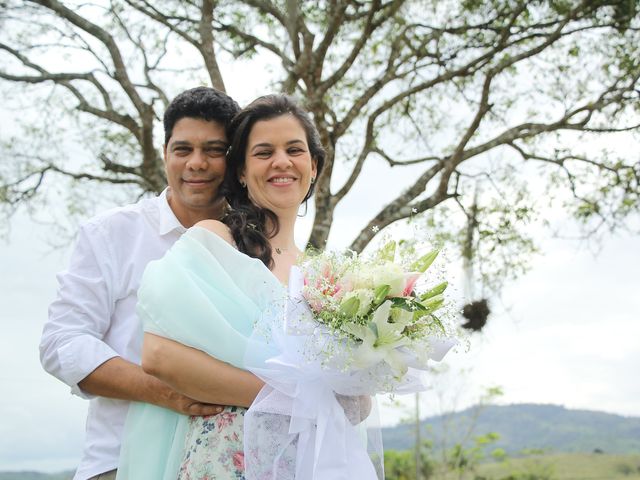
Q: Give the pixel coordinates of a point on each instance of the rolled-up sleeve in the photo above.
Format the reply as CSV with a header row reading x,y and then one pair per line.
x,y
72,344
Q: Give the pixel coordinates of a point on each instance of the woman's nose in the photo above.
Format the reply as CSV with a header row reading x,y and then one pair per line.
x,y
281,159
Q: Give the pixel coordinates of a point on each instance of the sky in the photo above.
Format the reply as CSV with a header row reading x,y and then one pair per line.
x,y
565,333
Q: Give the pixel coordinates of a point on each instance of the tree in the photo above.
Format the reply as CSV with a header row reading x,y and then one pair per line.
x,y
465,95
401,465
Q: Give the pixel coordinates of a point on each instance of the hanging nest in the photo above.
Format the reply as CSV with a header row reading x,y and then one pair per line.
x,y
476,314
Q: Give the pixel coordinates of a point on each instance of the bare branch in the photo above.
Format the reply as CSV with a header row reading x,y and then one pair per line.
x,y
64,79
94,30
336,10
253,41
151,85
206,45
394,163
14,193
367,32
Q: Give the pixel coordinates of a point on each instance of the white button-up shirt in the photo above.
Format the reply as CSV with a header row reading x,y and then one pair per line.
x,y
93,318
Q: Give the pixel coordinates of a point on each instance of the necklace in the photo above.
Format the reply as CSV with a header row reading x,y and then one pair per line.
x,y
280,251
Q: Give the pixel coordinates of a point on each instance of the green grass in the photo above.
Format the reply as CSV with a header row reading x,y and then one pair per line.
x,y
568,466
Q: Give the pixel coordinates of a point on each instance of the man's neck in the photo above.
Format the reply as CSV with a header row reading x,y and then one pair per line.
x,y
188,218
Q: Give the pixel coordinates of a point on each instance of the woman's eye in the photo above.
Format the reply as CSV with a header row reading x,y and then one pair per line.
x,y
295,151
263,154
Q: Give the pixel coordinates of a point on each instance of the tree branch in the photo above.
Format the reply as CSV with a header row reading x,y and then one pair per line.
x,y
396,163
64,79
94,30
206,45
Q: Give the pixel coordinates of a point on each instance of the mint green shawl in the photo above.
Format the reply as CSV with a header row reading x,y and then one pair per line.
x,y
205,294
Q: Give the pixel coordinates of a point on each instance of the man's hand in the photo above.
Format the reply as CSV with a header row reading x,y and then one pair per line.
x,y
357,409
118,378
188,406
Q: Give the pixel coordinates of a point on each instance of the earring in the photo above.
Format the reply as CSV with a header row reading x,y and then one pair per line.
x,y
313,180
243,184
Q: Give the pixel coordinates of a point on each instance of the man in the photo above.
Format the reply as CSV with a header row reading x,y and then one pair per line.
x,y
92,340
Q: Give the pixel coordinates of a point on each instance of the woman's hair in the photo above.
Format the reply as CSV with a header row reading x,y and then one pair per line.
x,y
251,225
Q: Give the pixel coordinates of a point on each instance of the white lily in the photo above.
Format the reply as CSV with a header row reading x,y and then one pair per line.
x,y
380,341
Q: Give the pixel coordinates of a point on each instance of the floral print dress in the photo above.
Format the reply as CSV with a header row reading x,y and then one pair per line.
x,y
214,447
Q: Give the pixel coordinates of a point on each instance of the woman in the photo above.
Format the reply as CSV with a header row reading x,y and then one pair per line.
x,y
204,296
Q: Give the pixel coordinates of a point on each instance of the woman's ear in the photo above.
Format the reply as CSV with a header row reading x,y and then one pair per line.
x,y
242,179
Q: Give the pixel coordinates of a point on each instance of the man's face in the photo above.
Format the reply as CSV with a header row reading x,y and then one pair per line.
x,y
195,163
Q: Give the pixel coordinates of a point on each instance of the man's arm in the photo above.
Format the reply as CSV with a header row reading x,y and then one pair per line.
x,y
197,374
118,378
72,347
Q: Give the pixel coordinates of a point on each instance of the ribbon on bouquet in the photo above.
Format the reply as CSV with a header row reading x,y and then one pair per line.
x,y
296,428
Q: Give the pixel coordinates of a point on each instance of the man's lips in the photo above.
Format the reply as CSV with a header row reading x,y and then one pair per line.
x,y
197,181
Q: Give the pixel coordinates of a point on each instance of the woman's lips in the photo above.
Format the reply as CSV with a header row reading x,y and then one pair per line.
x,y
281,181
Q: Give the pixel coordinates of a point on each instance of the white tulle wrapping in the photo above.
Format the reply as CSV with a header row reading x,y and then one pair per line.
x,y
296,428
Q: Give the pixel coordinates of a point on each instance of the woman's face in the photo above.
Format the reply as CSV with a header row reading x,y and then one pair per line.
x,y
278,167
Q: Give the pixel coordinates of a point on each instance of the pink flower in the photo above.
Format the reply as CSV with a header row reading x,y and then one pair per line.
x,y
410,280
238,461
224,419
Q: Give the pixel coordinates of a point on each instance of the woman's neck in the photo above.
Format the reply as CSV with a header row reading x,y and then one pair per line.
x,y
284,240
283,248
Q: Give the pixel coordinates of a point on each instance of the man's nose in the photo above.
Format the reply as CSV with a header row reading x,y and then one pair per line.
x,y
198,160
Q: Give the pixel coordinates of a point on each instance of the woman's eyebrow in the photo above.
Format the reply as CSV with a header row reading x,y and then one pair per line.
x,y
263,144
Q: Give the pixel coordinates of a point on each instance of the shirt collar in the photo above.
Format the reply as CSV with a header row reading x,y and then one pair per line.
x,y
168,220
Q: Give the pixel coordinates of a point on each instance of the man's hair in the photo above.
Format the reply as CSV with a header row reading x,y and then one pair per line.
x,y
201,102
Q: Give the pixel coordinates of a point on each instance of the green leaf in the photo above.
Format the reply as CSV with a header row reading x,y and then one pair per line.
x,y
424,262
388,252
433,303
437,321
437,290
407,303
380,294
350,307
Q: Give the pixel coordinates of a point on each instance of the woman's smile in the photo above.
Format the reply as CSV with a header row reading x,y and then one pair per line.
x,y
278,168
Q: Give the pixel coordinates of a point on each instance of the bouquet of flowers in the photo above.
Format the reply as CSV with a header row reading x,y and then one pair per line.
x,y
353,326
371,309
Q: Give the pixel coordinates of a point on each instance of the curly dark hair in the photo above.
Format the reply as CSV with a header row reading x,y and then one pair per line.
x,y
201,102
247,221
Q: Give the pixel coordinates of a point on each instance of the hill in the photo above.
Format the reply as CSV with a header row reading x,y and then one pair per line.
x,y
35,476
527,426
521,427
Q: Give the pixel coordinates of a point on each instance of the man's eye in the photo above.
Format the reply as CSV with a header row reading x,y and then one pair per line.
x,y
182,150
215,152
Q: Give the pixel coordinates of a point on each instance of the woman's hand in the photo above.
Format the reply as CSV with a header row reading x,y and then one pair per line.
x,y
196,375
357,409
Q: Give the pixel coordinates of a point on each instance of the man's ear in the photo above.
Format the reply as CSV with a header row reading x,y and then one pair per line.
x,y
164,157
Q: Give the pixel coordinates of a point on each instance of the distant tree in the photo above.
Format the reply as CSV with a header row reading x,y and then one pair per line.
x,y
471,97
401,465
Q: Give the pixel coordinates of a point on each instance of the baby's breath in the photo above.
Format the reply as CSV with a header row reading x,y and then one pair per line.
x,y
348,293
